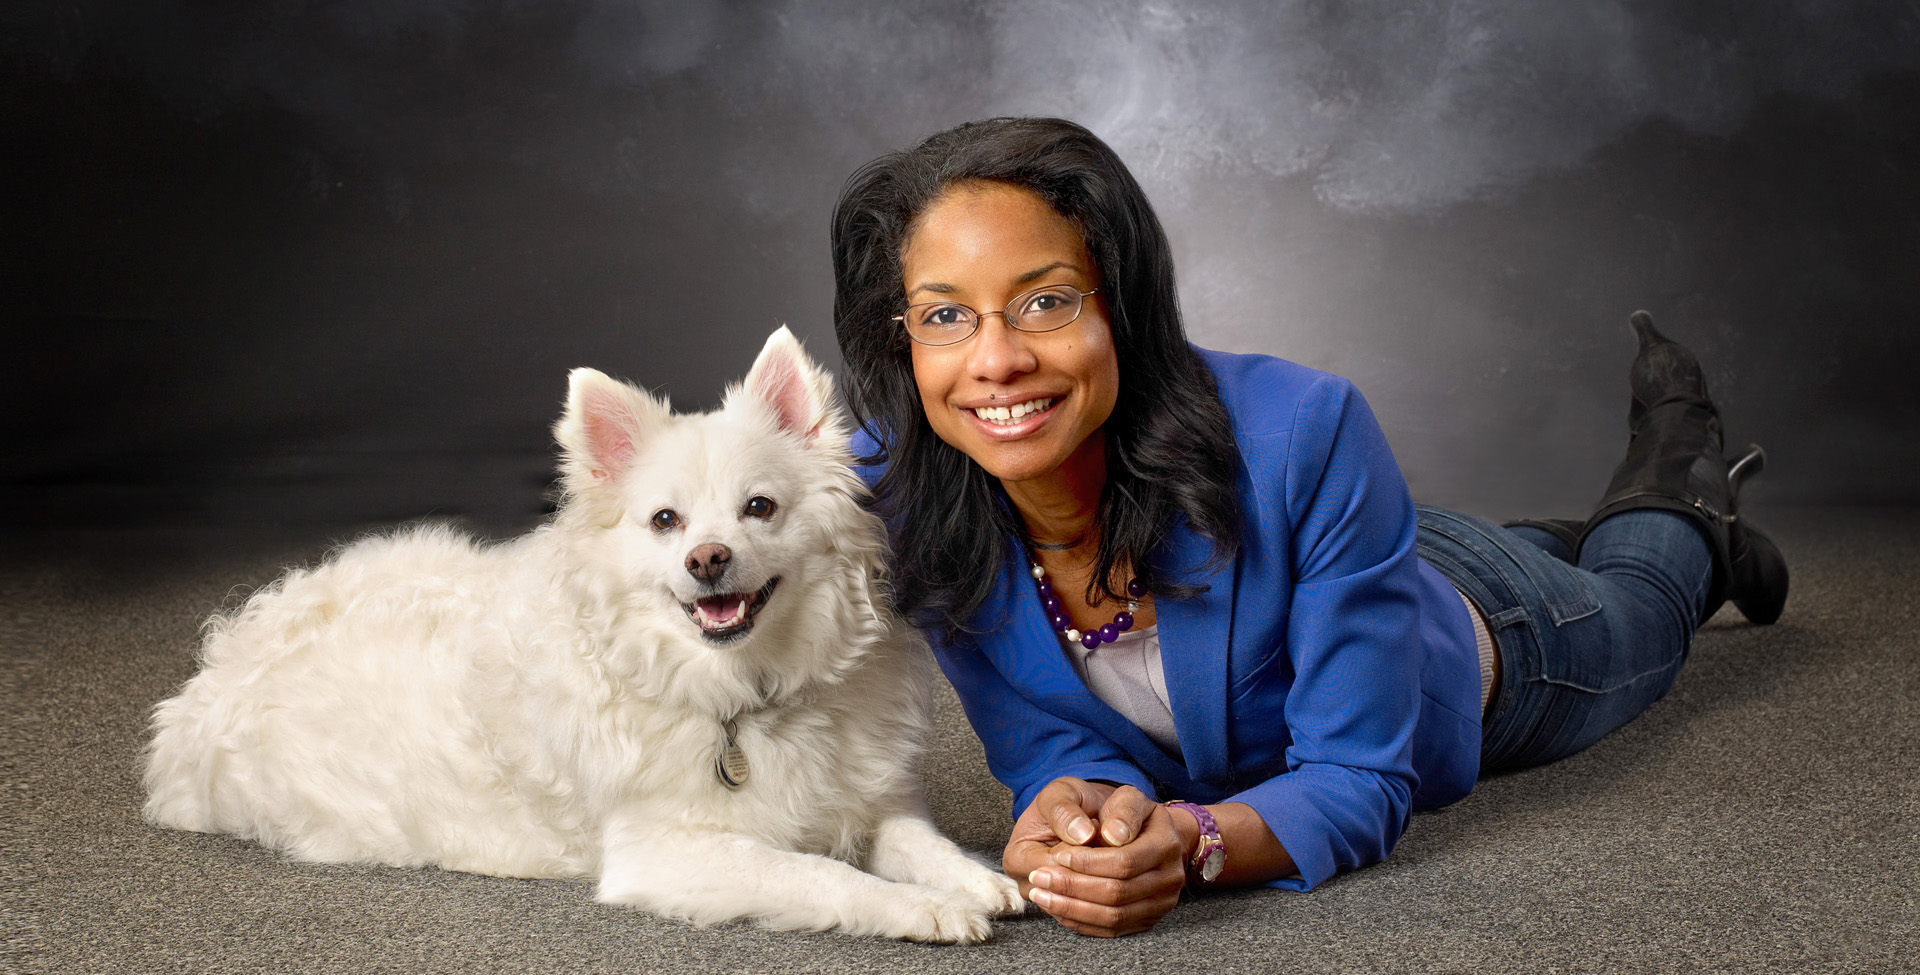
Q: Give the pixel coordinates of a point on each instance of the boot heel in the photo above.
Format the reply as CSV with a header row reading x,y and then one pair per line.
x,y
1745,468
1760,577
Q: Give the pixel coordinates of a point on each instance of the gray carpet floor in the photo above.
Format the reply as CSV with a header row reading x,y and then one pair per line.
x,y
1764,817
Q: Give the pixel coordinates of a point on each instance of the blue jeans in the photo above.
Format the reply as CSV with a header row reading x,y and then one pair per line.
x,y
1583,649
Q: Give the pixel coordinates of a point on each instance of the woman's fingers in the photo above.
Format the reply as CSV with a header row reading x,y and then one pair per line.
x,y
1109,891
1097,915
1062,809
1068,805
1029,846
1022,857
1158,847
1116,862
1124,814
1122,887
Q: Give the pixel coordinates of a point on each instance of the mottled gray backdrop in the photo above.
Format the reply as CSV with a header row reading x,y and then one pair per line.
x,y
299,261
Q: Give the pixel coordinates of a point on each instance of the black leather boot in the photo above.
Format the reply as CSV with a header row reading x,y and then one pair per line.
x,y
1675,462
1759,583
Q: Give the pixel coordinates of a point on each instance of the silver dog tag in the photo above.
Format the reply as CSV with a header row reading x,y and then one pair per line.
x,y
731,764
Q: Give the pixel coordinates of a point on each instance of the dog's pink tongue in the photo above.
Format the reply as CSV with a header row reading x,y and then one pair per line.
x,y
723,610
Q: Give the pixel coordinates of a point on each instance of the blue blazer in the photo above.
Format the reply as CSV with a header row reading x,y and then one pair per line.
x,y
1327,678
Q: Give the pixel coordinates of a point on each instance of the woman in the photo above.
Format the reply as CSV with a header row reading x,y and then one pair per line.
x,y
1202,632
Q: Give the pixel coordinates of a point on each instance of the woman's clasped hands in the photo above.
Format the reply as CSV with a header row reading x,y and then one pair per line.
x,y
1103,860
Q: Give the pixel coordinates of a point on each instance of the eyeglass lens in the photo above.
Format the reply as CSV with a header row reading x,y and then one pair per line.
x,y
947,322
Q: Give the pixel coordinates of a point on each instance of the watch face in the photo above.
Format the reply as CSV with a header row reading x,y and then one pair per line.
x,y
1215,862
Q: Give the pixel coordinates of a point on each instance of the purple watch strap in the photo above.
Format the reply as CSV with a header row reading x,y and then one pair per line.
x,y
1207,826
1210,853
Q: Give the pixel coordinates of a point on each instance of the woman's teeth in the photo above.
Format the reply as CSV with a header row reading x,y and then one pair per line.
x,y
1012,414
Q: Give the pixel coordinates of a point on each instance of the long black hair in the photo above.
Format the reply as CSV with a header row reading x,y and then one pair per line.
x,y
1170,448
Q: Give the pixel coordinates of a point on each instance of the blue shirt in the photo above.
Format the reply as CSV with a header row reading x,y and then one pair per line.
x,y
1328,677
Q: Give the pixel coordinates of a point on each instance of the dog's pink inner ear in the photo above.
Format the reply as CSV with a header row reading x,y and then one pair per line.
x,y
781,386
609,424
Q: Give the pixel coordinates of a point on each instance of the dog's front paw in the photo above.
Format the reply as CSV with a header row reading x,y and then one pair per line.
x,y
995,892
941,917
998,893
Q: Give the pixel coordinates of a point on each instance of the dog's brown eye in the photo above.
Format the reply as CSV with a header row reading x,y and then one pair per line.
x,y
760,507
666,519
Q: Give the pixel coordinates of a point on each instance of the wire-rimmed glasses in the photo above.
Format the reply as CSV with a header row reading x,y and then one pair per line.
x,y
1039,310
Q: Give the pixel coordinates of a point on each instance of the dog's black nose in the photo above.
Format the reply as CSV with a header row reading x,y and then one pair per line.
x,y
709,562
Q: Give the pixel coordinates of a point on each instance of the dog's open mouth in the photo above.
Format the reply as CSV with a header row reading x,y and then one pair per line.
x,y
728,615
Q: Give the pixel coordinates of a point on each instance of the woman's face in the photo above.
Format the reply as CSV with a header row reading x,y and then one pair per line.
x,y
983,245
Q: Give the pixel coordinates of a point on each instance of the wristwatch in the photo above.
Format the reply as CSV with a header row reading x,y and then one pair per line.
x,y
1210,853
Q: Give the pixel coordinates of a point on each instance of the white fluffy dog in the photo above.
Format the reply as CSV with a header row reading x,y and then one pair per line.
x,y
689,685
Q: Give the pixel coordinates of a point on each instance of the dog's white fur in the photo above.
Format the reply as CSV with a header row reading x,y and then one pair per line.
x,y
547,708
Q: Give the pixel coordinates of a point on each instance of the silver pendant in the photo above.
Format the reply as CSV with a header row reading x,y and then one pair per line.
x,y
731,764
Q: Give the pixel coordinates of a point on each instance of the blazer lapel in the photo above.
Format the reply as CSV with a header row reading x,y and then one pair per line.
x,y
1195,635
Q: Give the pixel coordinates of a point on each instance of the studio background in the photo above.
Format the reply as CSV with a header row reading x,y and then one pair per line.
x,y
299,263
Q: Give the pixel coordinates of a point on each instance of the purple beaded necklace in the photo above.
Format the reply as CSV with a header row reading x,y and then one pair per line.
x,y
1057,614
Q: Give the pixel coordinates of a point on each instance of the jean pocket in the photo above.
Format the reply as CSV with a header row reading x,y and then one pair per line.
x,y
1572,657
1578,647
1562,588
1588,655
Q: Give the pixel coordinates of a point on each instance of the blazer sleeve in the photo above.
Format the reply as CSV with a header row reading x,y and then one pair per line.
x,y
1352,636
1027,746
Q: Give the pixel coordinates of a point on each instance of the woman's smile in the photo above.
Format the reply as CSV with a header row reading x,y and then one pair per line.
x,y
1005,415
1023,419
